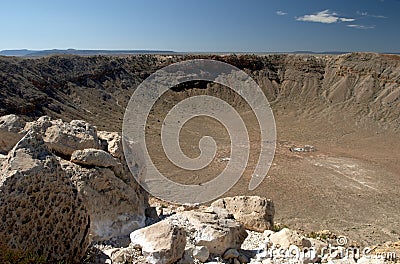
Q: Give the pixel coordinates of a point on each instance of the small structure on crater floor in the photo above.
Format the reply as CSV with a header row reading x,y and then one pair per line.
x,y
306,148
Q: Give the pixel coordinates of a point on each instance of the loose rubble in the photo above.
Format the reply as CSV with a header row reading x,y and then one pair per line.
x,y
280,246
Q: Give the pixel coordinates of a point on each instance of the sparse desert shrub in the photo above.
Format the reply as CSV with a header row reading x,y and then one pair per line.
x,y
278,227
319,235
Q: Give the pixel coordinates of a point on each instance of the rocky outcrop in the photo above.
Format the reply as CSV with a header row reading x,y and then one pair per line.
x,y
47,200
40,208
161,243
255,213
11,127
115,202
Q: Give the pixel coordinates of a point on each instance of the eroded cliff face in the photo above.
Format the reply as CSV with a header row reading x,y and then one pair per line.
x,y
369,81
98,88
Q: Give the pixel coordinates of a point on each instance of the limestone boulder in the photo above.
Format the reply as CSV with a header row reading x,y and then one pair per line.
x,y
216,231
116,207
254,212
11,131
161,243
93,157
64,138
41,210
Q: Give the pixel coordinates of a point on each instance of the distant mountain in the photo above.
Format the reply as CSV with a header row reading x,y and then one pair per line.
x,y
25,52
21,52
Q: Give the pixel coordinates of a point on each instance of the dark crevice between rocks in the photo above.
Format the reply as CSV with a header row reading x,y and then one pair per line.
x,y
61,155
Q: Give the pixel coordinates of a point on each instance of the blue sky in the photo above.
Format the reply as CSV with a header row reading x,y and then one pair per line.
x,y
202,25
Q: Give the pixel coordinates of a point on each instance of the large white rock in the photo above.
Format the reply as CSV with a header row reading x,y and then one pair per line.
x,y
40,208
11,131
254,212
65,138
218,231
161,243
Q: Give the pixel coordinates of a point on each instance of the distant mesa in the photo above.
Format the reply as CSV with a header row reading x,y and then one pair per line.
x,y
33,53
21,52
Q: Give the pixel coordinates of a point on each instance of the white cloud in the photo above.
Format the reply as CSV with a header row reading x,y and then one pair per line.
x,y
360,26
325,17
281,13
343,19
369,15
